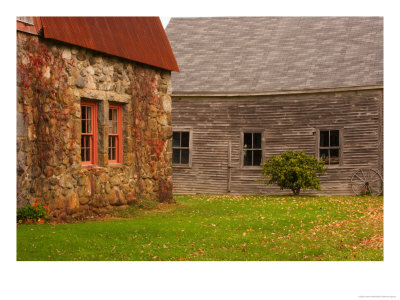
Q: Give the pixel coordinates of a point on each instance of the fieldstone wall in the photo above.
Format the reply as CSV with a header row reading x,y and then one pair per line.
x,y
52,79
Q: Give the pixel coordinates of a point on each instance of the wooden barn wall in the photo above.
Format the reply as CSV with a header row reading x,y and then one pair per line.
x,y
287,122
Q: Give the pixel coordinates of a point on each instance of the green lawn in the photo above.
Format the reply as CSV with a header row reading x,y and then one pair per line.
x,y
219,227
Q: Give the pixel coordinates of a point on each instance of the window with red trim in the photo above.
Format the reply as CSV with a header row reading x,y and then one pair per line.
x,y
115,133
88,133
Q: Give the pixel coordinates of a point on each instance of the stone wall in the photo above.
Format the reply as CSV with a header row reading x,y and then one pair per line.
x,y
52,79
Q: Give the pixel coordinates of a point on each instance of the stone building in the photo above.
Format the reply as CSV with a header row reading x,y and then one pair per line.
x,y
93,112
250,88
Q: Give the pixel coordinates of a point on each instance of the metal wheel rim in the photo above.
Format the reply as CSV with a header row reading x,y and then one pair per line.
x,y
364,178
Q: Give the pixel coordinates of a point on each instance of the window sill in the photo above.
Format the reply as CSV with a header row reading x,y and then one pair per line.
x,y
188,166
251,167
114,164
87,166
334,166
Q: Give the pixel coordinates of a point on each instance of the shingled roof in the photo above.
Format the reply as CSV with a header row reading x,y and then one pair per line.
x,y
263,54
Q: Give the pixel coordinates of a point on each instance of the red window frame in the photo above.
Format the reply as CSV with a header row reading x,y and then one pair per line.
x,y
115,133
92,135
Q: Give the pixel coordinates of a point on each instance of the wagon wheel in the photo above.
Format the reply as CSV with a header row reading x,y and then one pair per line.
x,y
367,182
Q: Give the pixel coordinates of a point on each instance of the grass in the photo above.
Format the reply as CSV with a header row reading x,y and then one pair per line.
x,y
219,227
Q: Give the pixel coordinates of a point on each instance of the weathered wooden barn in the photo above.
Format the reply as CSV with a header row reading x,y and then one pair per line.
x,y
93,113
252,87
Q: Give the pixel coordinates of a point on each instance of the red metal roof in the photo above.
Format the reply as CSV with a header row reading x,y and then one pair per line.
x,y
141,39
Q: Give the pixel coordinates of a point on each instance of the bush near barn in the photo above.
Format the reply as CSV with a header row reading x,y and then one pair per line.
x,y
293,170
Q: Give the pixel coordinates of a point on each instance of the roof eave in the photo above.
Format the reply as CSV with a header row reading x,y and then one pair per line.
x,y
275,92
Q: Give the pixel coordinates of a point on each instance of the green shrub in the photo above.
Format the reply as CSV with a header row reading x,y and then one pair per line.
x,y
293,170
32,212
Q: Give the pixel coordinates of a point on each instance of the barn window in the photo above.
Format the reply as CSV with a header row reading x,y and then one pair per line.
x,y
181,147
252,150
88,133
329,146
115,133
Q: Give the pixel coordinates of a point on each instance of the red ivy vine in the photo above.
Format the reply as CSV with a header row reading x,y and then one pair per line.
x,y
44,90
145,100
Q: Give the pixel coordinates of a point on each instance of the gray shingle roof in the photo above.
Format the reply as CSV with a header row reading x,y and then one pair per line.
x,y
257,54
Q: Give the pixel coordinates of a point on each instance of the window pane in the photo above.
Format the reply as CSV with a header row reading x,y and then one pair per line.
x,y
248,158
256,157
88,154
85,148
83,112
114,115
324,155
247,140
110,120
257,140
176,139
89,119
334,138
112,147
115,130
112,123
184,156
324,138
334,153
176,156
113,154
83,154
83,124
185,139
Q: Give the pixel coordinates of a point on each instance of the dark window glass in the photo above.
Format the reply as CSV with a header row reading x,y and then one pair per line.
x,y
252,153
176,156
83,119
176,139
330,146
247,140
334,138
184,156
88,154
334,156
83,112
256,157
85,148
113,154
248,158
324,138
180,147
83,153
324,155
83,124
257,140
185,139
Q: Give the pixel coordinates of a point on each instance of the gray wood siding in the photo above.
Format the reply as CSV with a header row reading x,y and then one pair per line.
x,y
287,122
